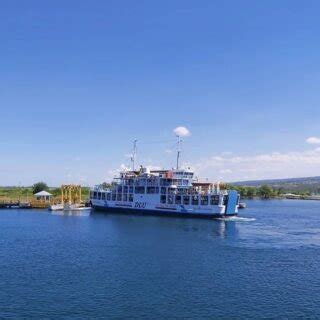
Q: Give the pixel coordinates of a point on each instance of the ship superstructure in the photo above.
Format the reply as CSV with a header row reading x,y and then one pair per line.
x,y
165,192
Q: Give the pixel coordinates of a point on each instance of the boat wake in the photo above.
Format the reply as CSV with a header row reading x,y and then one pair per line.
x,y
237,219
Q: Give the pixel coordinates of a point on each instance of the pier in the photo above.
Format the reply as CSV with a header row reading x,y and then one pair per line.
x,y
4,204
70,195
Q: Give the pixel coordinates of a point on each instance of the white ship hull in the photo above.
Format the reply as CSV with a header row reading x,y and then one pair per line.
x,y
147,205
165,192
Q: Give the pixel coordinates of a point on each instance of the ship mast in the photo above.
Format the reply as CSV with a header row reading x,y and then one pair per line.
x,y
134,154
178,151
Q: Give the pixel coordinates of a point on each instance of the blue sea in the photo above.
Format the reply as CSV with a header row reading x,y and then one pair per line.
x,y
264,264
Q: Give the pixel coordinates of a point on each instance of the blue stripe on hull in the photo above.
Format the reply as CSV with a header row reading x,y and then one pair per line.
x,y
159,213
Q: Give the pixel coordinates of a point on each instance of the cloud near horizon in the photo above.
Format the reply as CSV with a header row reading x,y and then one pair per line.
x,y
261,166
313,140
229,167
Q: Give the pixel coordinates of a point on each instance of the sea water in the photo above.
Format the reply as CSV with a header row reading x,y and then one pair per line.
x,y
263,264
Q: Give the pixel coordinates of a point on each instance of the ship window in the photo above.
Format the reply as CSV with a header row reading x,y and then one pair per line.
x,y
183,191
165,182
170,199
125,189
125,197
108,196
131,197
119,189
114,196
195,200
152,182
119,197
139,190
178,199
130,189
103,196
163,199
152,190
204,200
95,195
214,200
186,200
140,182
225,200
163,190
99,195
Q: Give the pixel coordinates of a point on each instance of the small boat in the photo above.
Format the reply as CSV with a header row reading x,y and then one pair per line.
x,y
24,205
81,209
67,207
75,207
242,205
56,207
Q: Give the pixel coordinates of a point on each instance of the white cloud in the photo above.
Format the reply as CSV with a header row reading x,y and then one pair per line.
x,y
313,140
261,166
182,132
225,171
113,173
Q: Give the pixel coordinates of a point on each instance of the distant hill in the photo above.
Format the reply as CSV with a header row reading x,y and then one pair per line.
x,y
311,184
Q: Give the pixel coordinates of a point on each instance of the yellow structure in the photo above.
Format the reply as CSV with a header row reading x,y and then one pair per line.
x,y
70,193
41,200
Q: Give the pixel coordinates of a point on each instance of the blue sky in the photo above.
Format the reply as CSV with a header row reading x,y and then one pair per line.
x,y
79,80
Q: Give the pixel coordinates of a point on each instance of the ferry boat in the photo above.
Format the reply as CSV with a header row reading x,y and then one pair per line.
x,y
165,192
172,192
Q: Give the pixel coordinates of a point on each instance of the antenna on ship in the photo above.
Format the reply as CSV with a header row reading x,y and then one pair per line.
x,y
180,132
134,154
178,151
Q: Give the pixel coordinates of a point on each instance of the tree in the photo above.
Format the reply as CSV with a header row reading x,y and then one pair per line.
x,y
56,192
251,192
243,191
39,186
279,191
265,192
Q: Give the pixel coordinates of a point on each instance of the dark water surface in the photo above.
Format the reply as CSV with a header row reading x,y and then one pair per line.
x,y
265,264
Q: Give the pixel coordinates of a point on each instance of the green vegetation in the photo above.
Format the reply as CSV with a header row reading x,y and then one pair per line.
x,y
15,192
264,192
56,192
24,193
300,186
85,193
39,186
